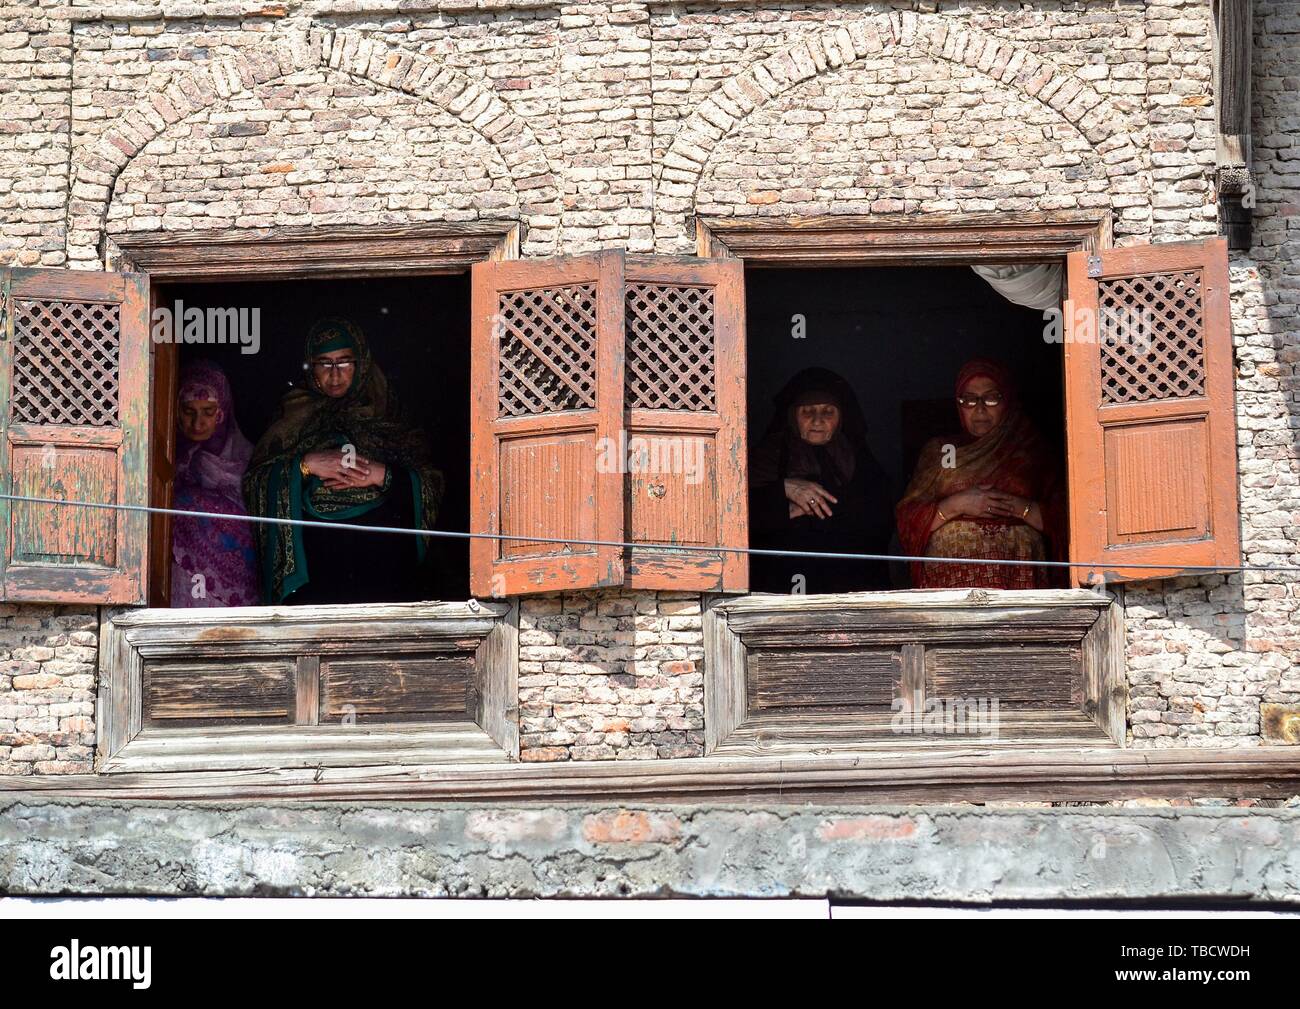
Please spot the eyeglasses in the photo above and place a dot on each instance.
(989, 399)
(330, 367)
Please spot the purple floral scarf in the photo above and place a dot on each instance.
(214, 562)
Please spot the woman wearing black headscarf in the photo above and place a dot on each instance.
(815, 487)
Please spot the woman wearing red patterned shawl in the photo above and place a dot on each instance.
(991, 492)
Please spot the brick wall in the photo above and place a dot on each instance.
(47, 689)
(610, 124)
(611, 675)
(35, 65)
(1204, 652)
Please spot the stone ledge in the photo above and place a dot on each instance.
(54, 846)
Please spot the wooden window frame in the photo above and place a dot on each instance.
(130, 636)
(271, 254)
(897, 240)
(917, 776)
(903, 239)
(846, 240)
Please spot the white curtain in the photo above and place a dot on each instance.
(1035, 286)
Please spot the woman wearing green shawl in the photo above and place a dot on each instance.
(342, 450)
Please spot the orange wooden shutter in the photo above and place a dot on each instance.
(546, 408)
(685, 323)
(1150, 411)
(74, 395)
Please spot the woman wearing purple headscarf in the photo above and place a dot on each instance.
(214, 562)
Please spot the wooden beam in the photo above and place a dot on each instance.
(307, 690)
(902, 239)
(1233, 29)
(312, 252)
(932, 776)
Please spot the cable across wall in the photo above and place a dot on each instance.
(667, 547)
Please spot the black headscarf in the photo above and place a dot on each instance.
(782, 453)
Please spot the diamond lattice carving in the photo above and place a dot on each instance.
(670, 339)
(547, 358)
(1157, 349)
(65, 363)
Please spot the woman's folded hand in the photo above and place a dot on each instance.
(1002, 505)
(971, 502)
(812, 497)
(338, 470)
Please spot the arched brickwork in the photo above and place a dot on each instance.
(347, 52)
(939, 37)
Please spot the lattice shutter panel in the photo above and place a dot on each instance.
(1150, 416)
(548, 406)
(686, 435)
(547, 350)
(670, 347)
(66, 363)
(1155, 347)
(75, 428)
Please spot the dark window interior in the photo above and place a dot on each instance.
(898, 335)
(418, 331)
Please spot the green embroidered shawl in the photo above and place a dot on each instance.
(367, 417)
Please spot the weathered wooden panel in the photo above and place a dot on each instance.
(49, 534)
(307, 691)
(823, 678)
(495, 691)
(396, 688)
(877, 733)
(1026, 676)
(218, 691)
(547, 487)
(1156, 481)
(672, 489)
(1105, 687)
(281, 686)
(901, 239)
(319, 747)
(897, 618)
(821, 674)
(725, 677)
(312, 252)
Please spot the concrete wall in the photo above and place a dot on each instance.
(609, 124)
(972, 855)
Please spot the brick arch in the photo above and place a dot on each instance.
(347, 52)
(727, 107)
